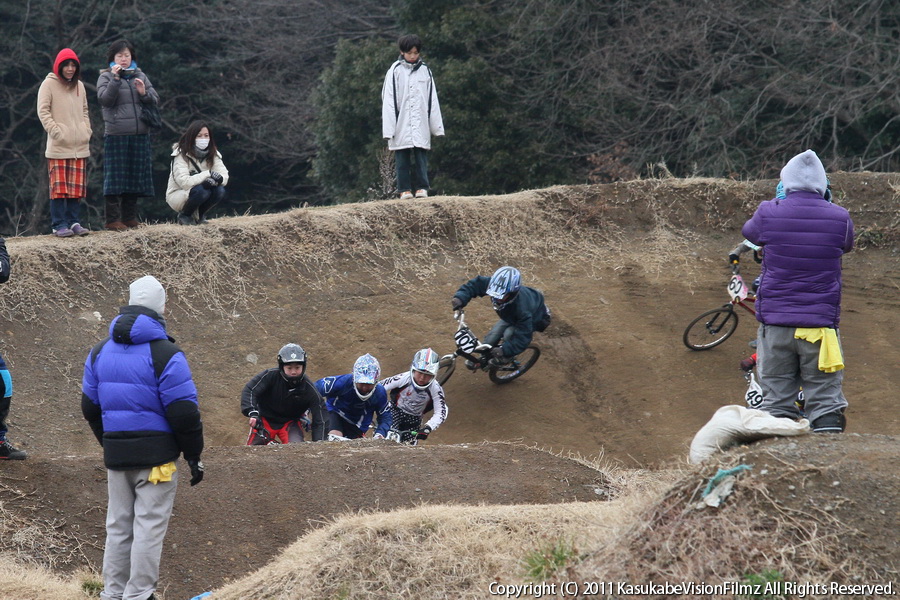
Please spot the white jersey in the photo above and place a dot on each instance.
(413, 402)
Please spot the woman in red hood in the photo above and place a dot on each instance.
(63, 110)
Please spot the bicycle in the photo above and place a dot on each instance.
(715, 326)
(478, 357)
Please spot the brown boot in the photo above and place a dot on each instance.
(131, 223)
(116, 226)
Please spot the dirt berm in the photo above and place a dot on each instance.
(624, 268)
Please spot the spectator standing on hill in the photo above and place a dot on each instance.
(277, 401)
(63, 110)
(7, 450)
(353, 400)
(140, 400)
(198, 176)
(521, 309)
(798, 303)
(415, 392)
(127, 160)
(410, 115)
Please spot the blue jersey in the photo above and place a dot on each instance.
(341, 398)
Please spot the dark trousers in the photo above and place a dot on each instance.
(201, 199)
(121, 208)
(412, 169)
(64, 212)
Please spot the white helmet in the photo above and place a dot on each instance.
(425, 361)
(366, 370)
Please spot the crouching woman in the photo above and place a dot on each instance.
(198, 177)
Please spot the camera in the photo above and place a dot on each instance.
(127, 72)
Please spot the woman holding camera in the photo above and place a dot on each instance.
(127, 160)
(198, 177)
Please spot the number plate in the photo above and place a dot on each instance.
(465, 341)
(737, 289)
(754, 395)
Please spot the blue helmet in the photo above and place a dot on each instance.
(779, 191)
(366, 370)
(504, 285)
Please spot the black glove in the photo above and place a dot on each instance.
(497, 353)
(209, 183)
(456, 303)
(423, 434)
(196, 471)
(217, 177)
(733, 259)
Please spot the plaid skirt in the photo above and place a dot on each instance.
(127, 165)
(66, 177)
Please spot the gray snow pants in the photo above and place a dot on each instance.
(137, 517)
(784, 365)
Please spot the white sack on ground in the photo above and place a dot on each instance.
(735, 424)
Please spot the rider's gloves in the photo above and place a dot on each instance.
(423, 434)
(497, 352)
(255, 421)
(456, 303)
(748, 363)
(196, 471)
(733, 259)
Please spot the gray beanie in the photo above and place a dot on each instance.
(805, 173)
(149, 293)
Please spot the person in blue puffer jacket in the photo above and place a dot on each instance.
(139, 398)
(521, 309)
(353, 400)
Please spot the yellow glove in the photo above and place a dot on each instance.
(162, 473)
(831, 359)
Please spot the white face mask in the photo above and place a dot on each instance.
(201, 143)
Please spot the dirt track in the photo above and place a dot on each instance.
(614, 377)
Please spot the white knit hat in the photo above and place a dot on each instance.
(148, 292)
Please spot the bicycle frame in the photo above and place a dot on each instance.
(479, 358)
(467, 344)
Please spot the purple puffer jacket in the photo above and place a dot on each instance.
(804, 237)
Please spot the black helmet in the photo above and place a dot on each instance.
(291, 353)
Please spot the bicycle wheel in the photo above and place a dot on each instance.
(446, 366)
(711, 328)
(516, 367)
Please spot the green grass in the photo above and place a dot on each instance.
(542, 564)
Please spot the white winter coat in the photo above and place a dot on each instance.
(408, 92)
(185, 175)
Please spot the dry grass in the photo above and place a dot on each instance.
(429, 552)
(28, 582)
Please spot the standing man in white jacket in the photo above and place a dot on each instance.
(410, 114)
